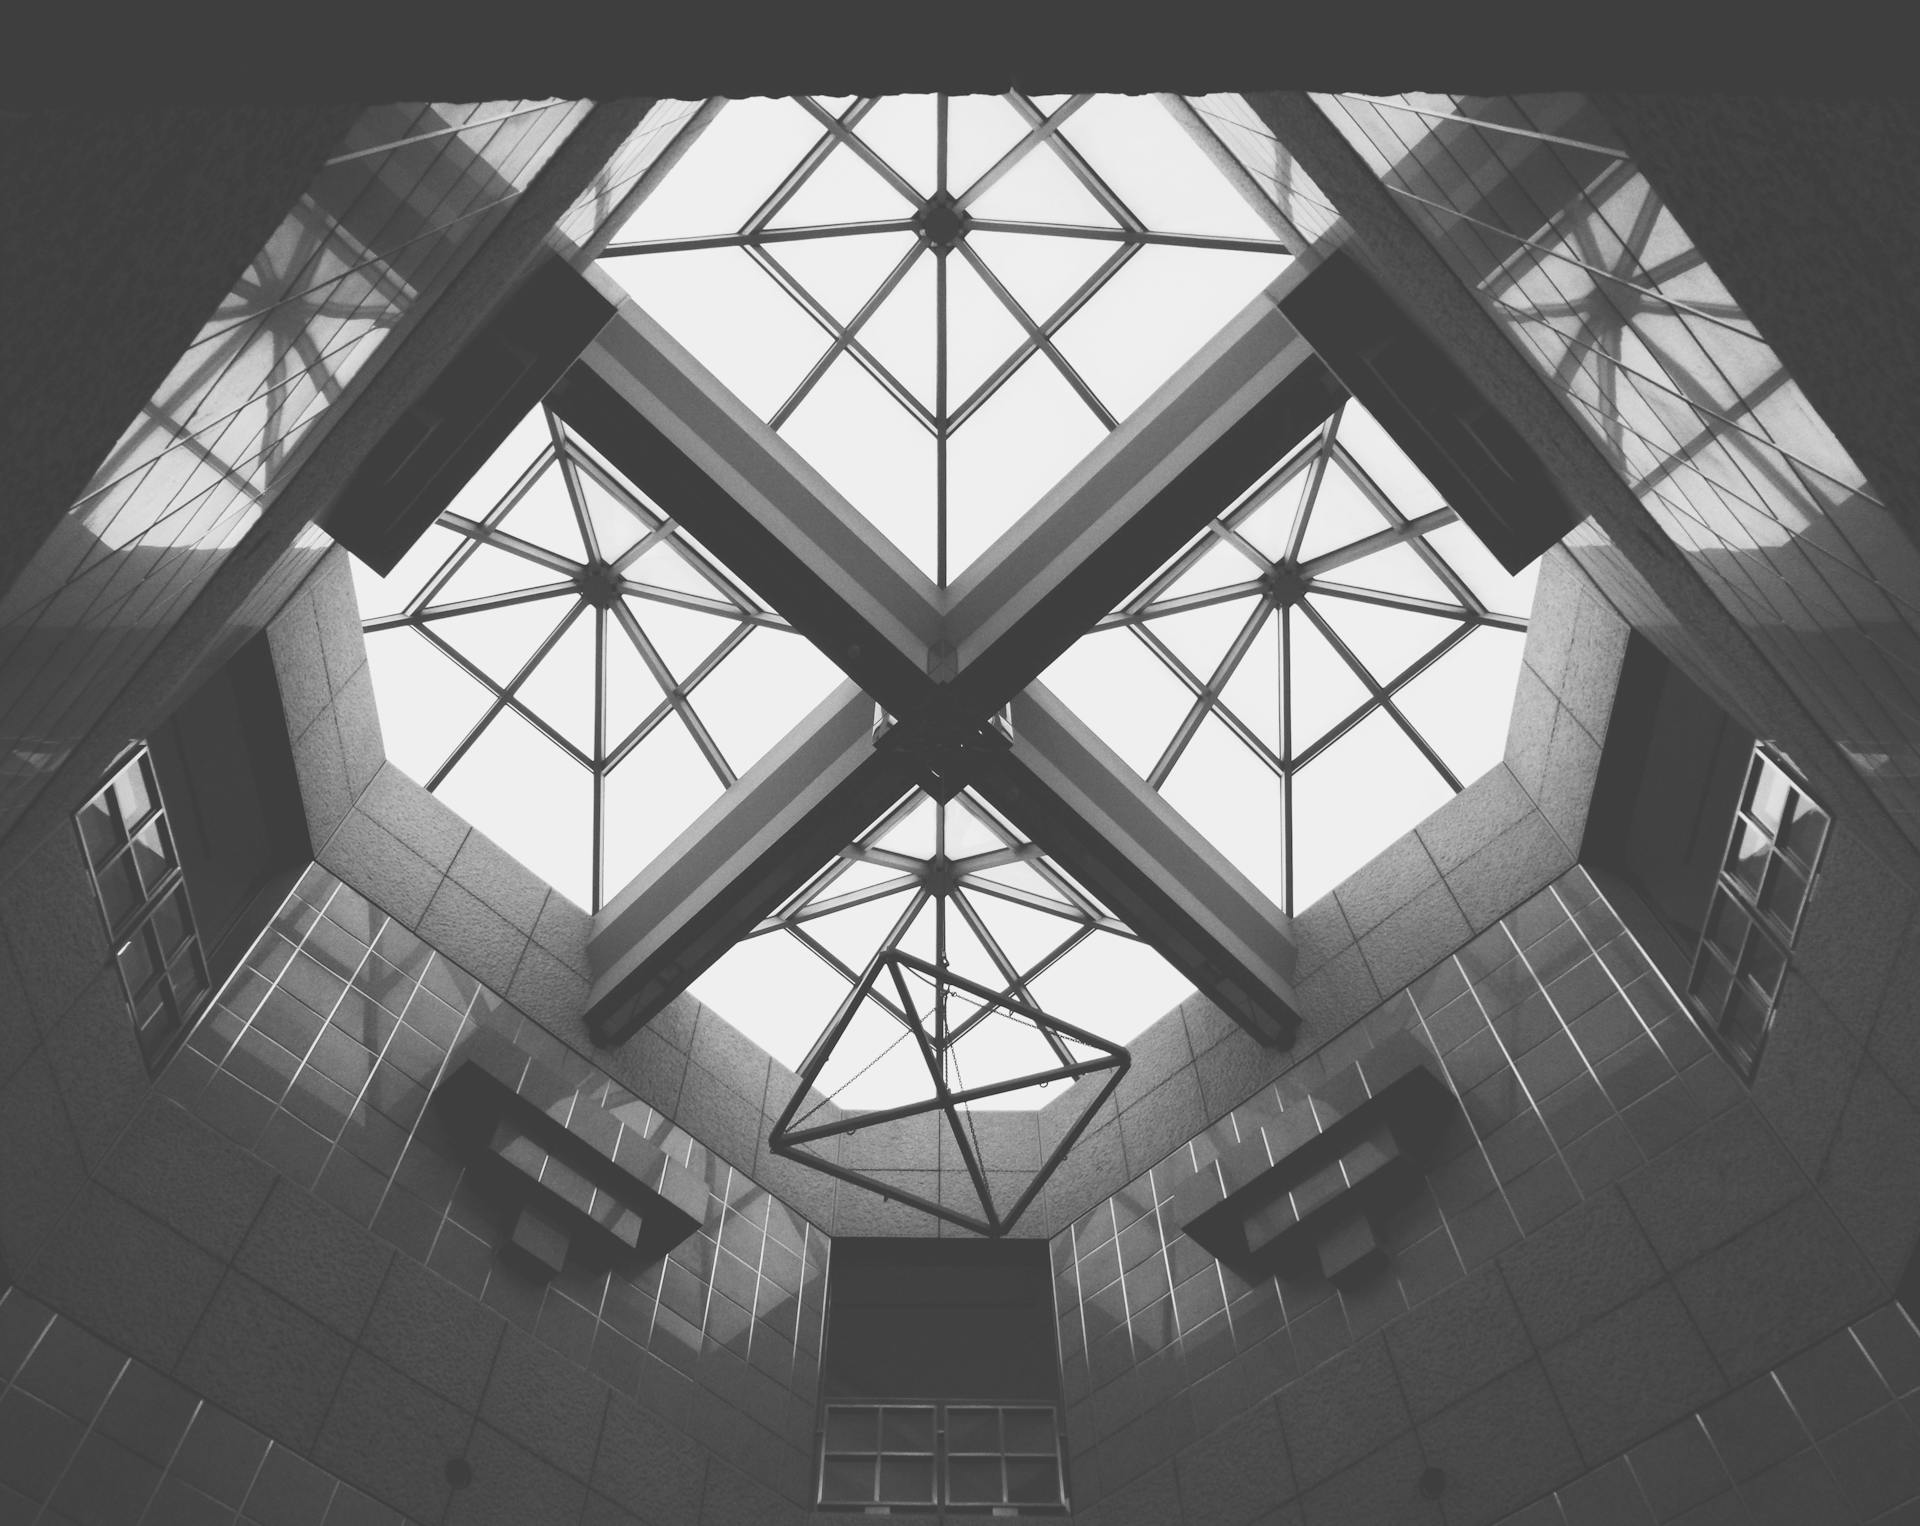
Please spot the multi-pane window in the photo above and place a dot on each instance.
(143, 900)
(1755, 913)
(906, 1455)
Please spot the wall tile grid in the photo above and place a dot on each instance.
(1571, 251)
(1574, 1065)
(90, 1435)
(386, 223)
(319, 1057)
(1830, 1437)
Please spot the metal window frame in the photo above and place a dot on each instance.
(940, 1457)
(1730, 978)
(161, 1017)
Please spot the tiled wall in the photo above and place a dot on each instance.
(1829, 1437)
(384, 225)
(1574, 255)
(87, 1434)
(320, 1055)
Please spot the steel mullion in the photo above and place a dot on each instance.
(843, 340)
(1077, 165)
(471, 606)
(599, 753)
(1310, 492)
(1016, 986)
(1037, 133)
(505, 540)
(808, 910)
(1434, 560)
(762, 236)
(842, 128)
(505, 698)
(994, 858)
(676, 693)
(1401, 533)
(1039, 340)
(1383, 694)
(1286, 753)
(1415, 605)
(1126, 235)
(1074, 895)
(810, 161)
(655, 593)
(1036, 902)
(469, 528)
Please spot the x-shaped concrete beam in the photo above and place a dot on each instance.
(943, 664)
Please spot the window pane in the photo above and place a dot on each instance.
(907, 1480)
(853, 1430)
(1763, 963)
(153, 854)
(1726, 926)
(973, 1481)
(1745, 1022)
(133, 790)
(1806, 829)
(906, 1430)
(847, 1481)
(97, 827)
(1747, 856)
(1767, 792)
(173, 922)
(1710, 981)
(973, 1430)
(137, 962)
(1033, 1480)
(1785, 893)
(1030, 1430)
(120, 890)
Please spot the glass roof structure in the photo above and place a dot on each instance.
(944, 302)
(1323, 667)
(942, 305)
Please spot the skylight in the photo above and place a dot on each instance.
(958, 887)
(565, 668)
(1318, 671)
(944, 302)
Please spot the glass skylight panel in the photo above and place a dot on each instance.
(944, 302)
(567, 669)
(957, 886)
(1321, 668)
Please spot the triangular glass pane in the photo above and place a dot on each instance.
(488, 571)
(560, 691)
(1127, 696)
(729, 170)
(666, 564)
(1040, 271)
(1386, 640)
(731, 315)
(617, 525)
(544, 516)
(900, 129)
(1041, 189)
(1501, 591)
(980, 129)
(651, 798)
(1028, 880)
(1341, 514)
(1398, 569)
(966, 833)
(1323, 690)
(531, 799)
(633, 693)
(1155, 167)
(1386, 463)
(967, 956)
(901, 333)
(427, 702)
(480, 495)
(1462, 703)
(499, 641)
(854, 934)
(1253, 693)
(1233, 800)
(1025, 936)
(760, 692)
(1004, 459)
(981, 333)
(776, 991)
(843, 189)
(871, 450)
(913, 834)
(1111, 986)
(1353, 801)
(378, 596)
(1269, 526)
(1156, 314)
(841, 274)
(1221, 565)
(683, 637)
(1200, 637)
(856, 875)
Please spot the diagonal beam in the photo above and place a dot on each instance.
(1069, 792)
(1182, 459)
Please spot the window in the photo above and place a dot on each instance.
(143, 901)
(1754, 914)
(984, 1456)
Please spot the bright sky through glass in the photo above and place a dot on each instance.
(1324, 666)
(944, 302)
(568, 671)
(955, 885)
